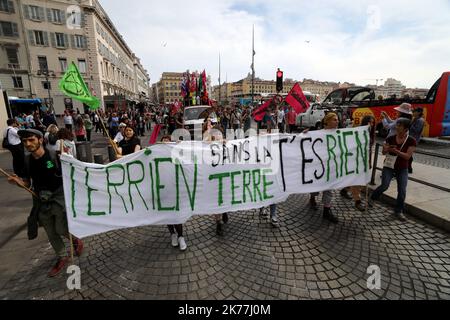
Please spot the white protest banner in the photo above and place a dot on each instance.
(169, 183)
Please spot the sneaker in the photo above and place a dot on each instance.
(328, 215)
(313, 204)
(78, 247)
(58, 267)
(225, 217)
(400, 216)
(175, 240)
(219, 228)
(275, 223)
(182, 242)
(263, 213)
(360, 206)
(345, 194)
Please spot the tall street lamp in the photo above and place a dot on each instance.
(48, 73)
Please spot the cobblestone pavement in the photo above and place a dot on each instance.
(306, 258)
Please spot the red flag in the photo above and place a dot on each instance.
(204, 80)
(155, 134)
(297, 100)
(259, 113)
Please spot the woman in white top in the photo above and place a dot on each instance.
(65, 143)
(68, 120)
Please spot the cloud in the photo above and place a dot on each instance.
(349, 40)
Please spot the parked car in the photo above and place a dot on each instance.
(194, 118)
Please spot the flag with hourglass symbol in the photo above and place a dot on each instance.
(73, 85)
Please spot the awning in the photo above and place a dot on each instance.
(17, 100)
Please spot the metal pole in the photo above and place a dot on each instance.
(220, 85)
(375, 162)
(253, 65)
(48, 89)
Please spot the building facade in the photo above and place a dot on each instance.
(168, 89)
(14, 61)
(242, 89)
(49, 35)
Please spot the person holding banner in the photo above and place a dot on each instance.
(330, 122)
(398, 150)
(43, 172)
(215, 134)
(176, 231)
(130, 144)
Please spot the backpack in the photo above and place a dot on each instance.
(6, 144)
(52, 139)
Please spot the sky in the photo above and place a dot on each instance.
(357, 41)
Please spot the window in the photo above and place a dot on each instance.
(13, 59)
(34, 13)
(7, 6)
(17, 82)
(43, 63)
(8, 29)
(79, 42)
(63, 64)
(82, 65)
(56, 16)
(39, 38)
(60, 40)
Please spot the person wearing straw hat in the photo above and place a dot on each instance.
(404, 111)
(43, 172)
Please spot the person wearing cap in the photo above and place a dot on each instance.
(404, 111)
(43, 173)
(120, 135)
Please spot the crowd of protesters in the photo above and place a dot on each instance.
(43, 138)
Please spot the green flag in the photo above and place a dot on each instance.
(73, 85)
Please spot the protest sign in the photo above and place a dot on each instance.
(169, 183)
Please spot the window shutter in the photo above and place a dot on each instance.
(83, 19)
(72, 41)
(63, 16)
(26, 11)
(15, 29)
(11, 7)
(41, 13)
(31, 37)
(84, 42)
(53, 39)
(66, 41)
(45, 38)
(49, 15)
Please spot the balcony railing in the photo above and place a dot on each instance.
(13, 66)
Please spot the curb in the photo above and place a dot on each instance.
(420, 214)
(439, 142)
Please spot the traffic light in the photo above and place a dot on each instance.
(279, 80)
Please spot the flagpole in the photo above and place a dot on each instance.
(220, 85)
(111, 141)
(6, 174)
(253, 66)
